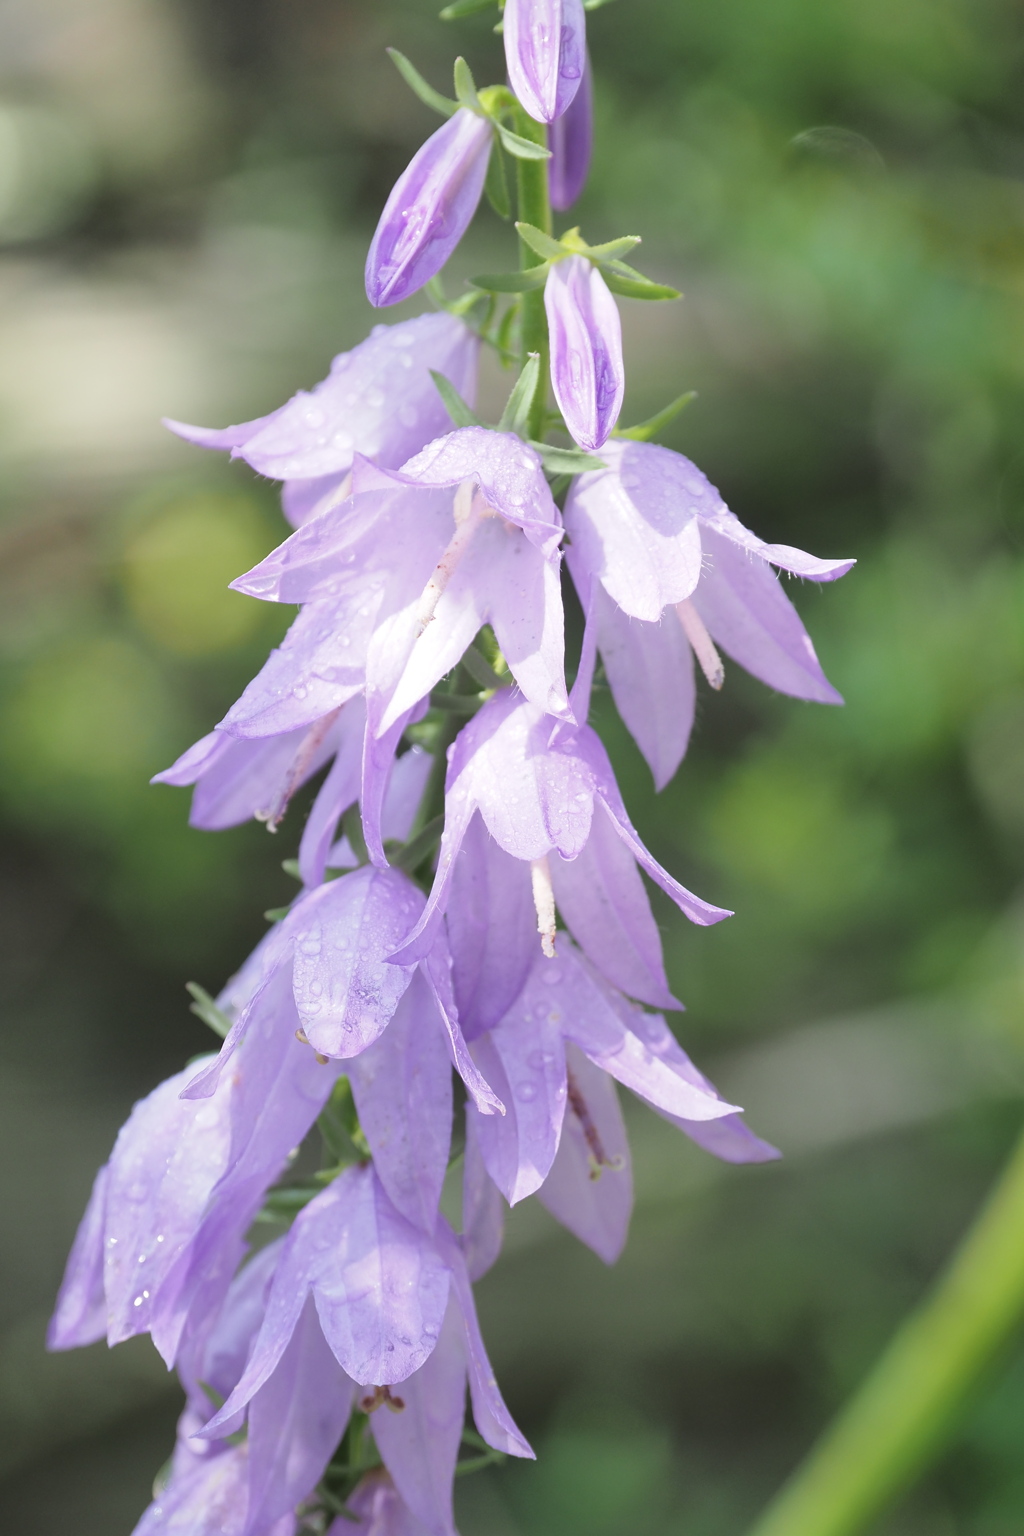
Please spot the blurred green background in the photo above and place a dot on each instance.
(186, 192)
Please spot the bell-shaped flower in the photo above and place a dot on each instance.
(376, 1508)
(429, 210)
(650, 534)
(587, 373)
(378, 400)
(543, 791)
(545, 53)
(571, 141)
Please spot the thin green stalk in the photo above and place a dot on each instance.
(534, 208)
(899, 1419)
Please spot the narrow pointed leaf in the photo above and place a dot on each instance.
(416, 83)
(464, 8)
(496, 185)
(545, 245)
(638, 287)
(512, 282)
(566, 461)
(456, 407)
(611, 250)
(465, 85)
(522, 149)
(645, 430)
(517, 410)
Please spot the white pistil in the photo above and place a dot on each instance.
(544, 901)
(703, 645)
(468, 513)
(307, 750)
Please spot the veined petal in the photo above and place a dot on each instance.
(593, 1198)
(507, 470)
(587, 372)
(523, 1058)
(429, 208)
(571, 141)
(545, 51)
(483, 1209)
(492, 930)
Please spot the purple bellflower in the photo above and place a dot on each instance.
(429, 209)
(651, 534)
(587, 374)
(571, 141)
(378, 400)
(545, 53)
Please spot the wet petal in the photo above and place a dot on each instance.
(593, 1199)
(483, 1209)
(545, 50)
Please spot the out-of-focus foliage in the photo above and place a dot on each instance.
(186, 192)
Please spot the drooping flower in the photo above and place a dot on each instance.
(571, 140)
(544, 789)
(545, 52)
(650, 533)
(587, 374)
(429, 209)
(378, 400)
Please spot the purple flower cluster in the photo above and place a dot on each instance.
(472, 897)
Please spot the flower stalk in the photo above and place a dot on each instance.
(534, 203)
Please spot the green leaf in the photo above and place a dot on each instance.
(206, 1009)
(465, 85)
(517, 409)
(638, 287)
(612, 248)
(481, 671)
(291, 867)
(567, 461)
(512, 282)
(645, 430)
(522, 149)
(595, 5)
(416, 83)
(537, 240)
(454, 404)
(503, 339)
(464, 8)
(496, 185)
(414, 852)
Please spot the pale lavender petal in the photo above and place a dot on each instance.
(377, 775)
(545, 52)
(339, 790)
(80, 1316)
(635, 526)
(726, 523)
(420, 1445)
(437, 968)
(601, 897)
(507, 470)
(295, 1422)
(404, 792)
(650, 672)
(741, 601)
(590, 1186)
(380, 1289)
(587, 372)
(206, 1496)
(345, 991)
(403, 1091)
(483, 1209)
(249, 777)
(492, 1417)
(304, 499)
(429, 209)
(571, 140)
(216, 1357)
(492, 930)
(380, 1509)
(594, 1019)
(525, 1061)
(458, 813)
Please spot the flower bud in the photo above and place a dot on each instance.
(429, 209)
(586, 350)
(545, 52)
(571, 140)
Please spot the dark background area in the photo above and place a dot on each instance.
(186, 194)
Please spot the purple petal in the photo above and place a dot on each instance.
(436, 968)
(239, 779)
(741, 601)
(80, 1316)
(429, 209)
(635, 526)
(545, 53)
(524, 1058)
(571, 141)
(345, 991)
(587, 373)
(339, 790)
(601, 896)
(492, 930)
(378, 400)
(650, 671)
(420, 1445)
(377, 774)
(217, 1356)
(206, 1496)
(380, 1509)
(483, 1210)
(507, 470)
(405, 790)
(590, 1186)
(403, 1091)
(493, 1419)
(304, 499)
(295, 1422)
(726, 523)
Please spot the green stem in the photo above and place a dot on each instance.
(534, 208)
(899, 1419)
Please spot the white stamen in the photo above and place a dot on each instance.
(307, 750)
(468, 513)
(703, 645)
(544, 901)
